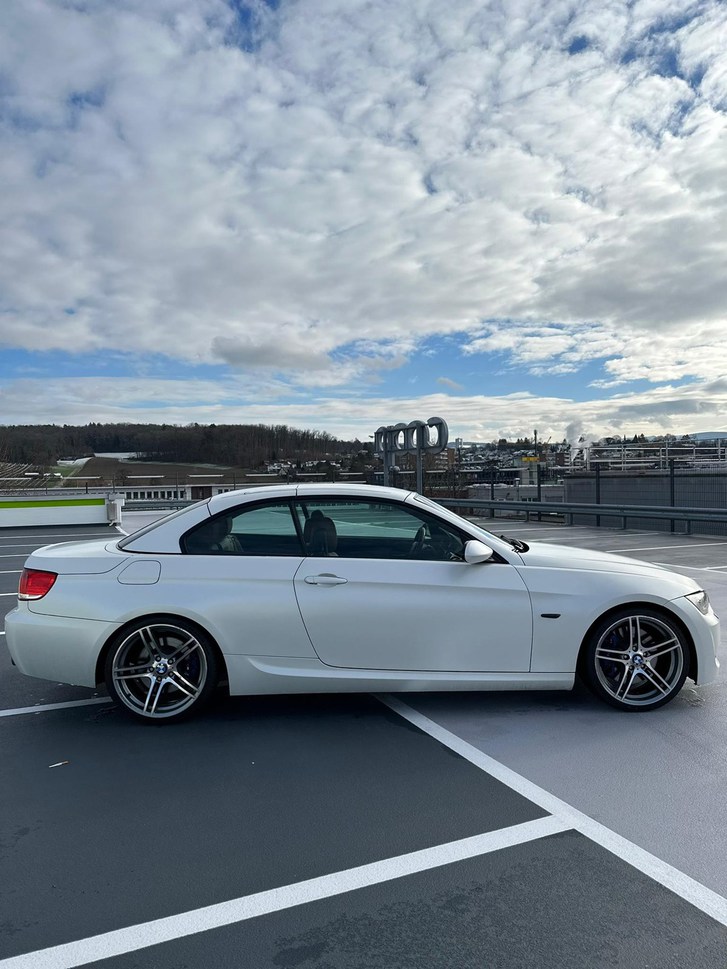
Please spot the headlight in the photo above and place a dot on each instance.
(700, 600)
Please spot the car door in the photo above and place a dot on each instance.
(386, 588)
(238, 571)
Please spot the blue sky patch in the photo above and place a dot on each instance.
(578, 45)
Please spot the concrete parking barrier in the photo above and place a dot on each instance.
(22, 511)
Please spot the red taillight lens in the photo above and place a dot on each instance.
(34, 584)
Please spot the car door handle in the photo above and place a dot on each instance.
(325, 578)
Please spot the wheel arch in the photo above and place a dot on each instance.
(693, 667)
(163, 617)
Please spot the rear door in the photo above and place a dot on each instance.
(238, 571)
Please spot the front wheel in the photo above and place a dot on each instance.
(161, 669)
(636, 659)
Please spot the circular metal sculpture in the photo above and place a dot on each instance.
(416, 437)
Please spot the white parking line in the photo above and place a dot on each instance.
(703, 898)
(63, 535)
(536, 529)
(501, 524)
(690, 568)
(42, 707)
(21, 544)
(11, 572)
(135, 937)
(15, 555)
(8, 593)
(568, 538)
(657, 548)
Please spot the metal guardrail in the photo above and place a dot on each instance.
(567, 510)
(561, 509)
(158, 504)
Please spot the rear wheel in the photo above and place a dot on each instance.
(161, 669)
(636, 659)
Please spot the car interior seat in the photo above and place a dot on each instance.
(319, 535)
(221, 538)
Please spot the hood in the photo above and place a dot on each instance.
(567, 557)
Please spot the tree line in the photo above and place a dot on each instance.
(235, 445)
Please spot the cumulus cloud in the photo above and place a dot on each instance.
(273, 187)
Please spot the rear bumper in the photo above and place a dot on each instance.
(55, 648)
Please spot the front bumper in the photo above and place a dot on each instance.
(705, 632)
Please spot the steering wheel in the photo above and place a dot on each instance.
(418, 544)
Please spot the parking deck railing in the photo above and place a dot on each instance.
(568, 511)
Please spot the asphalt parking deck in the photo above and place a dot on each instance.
(254, 796)
(145, 824)
(335, 832)
(498, 911)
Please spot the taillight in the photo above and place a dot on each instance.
(34, 583)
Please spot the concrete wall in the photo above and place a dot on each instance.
(22, 511)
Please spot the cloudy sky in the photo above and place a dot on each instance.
(342, 213)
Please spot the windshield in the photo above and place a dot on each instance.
(487, 536)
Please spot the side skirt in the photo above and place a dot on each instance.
(259, 675)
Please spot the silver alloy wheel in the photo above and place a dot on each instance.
(159, 670)
(639, 660)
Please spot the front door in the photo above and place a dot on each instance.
(384, 587)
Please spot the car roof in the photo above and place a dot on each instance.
(228, 499)
(163, 536)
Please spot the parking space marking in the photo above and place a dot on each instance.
(566, 538)
(11, 572)
(42, 707)
(690, 568)
(135, 937)
(8, 593)
(533, 529)
(15, 555)
(692, 891)
(536, 529)
(504, 523)
(59, 534)
(657, 548)
(21, 544)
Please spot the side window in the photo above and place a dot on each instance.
(261, 530)
(375, 529)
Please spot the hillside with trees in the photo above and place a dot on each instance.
(238, 445)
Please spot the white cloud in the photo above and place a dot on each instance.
(474, 417)
(365, 175)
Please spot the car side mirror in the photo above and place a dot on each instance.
(475, 552)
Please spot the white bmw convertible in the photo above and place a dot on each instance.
(309, 589)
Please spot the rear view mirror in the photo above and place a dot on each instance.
(475, 552)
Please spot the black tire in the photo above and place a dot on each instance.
(161, 669)
(636, 659)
